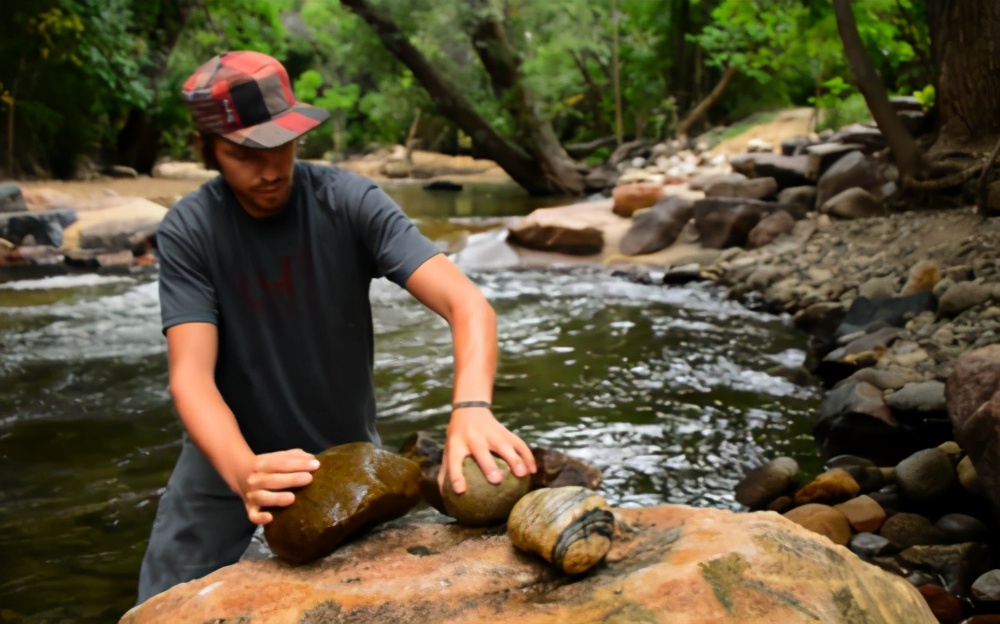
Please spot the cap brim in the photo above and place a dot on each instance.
(286, 127)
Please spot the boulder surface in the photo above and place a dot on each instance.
(669, 563)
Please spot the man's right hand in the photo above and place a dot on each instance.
(266, 481)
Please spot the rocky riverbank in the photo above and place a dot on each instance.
(904, 312)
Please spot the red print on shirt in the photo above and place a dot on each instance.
(257, 288)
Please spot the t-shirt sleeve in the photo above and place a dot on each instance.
(396, 245)
(186, 291)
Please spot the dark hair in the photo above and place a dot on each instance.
(206, 146)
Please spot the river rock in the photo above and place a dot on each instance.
(958, 564)
(11, 198)
(926, 475)
(886, 378)
(852, 170)
(575, 230)
(852, 203)
(787, 171)
(724, 222)
(908, 529)
(961, 296)
(658, 227)
(765, 483)
(987, 588)
(895, 312)
(968, 478)
(729, 568)
(864, 514)
(356, 486)
(945, 606)
(824, 520)
(569, 527)
(483, 503)
(888, 499)
(962, 528)
(556, 469)
(869, 545)
(833, 486)
(974, 411)
(925, 397)
(878, 288)
(922, 277)
(41, 228)
(804, 196)
(862, 351)
(770, 228)
(111, 223)
(422, 448)
(629, 198)
(854, 419)
(869, 479)
(781, 504)
(757, 188)
(702, 181)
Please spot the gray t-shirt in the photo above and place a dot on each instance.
(289, 295)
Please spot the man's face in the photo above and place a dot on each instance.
(260, 178)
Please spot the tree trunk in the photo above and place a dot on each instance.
(701, 109)
(536, 136)
(138, 142)
(965, 40)
(516, 161)
(904, 149)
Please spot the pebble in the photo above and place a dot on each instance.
(864, 514)
(987, 587)
(962, 528)
(765, 483)
(833, 486)
(946, 607)
(908, 529)
(925, 476)
(824, 520)
(871, 545)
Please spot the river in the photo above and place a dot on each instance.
(672, 392)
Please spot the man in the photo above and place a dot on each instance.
(264, 278)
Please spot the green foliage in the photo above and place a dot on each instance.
(74, 70)
(840, 112)
(926, 97)
(753, 36)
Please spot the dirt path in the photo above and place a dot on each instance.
(787, 124)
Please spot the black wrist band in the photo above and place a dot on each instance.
(462, 404)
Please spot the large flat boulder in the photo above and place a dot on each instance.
(110, 225)
(668, 564)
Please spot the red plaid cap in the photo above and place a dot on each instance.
(246, 97)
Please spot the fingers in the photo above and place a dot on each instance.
(272, 475)
(487, 464)
(454, 455)
(278, 480)
(510, 454)
(295, 460)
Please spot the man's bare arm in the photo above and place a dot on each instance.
(442, 287)
(192, 349)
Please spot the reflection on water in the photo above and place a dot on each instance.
(666, 390)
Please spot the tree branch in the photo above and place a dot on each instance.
(701, 109)
(904, 149)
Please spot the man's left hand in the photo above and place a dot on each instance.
(475, 431)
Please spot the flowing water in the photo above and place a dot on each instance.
(670, 391)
